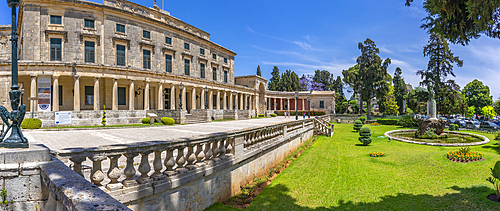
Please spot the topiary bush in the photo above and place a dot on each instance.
(365, 134)
(167, 121)
(31, 123)
(145, 120)
(103, 122)
(261, 115)
(274, 115)
(362, 119)
(357, 125)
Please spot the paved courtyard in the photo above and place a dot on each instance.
(57, 140)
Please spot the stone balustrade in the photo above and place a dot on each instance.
(323, 126)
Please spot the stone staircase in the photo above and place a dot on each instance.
(193, 119)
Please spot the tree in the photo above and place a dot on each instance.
(373, 73)
(399, 89)
(390, 105)
(274, 82)
(324, 77)
(341, 103)
(339, 86)
(461, 20)
(353, 79)
(289, 81)
(450, 100)
(471, 110)
(307, 84)
(417, 99)
(478, 95)
(496, 106)
(258, 71)
(488, 112)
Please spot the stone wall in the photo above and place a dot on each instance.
(91, 117)
(178, 115)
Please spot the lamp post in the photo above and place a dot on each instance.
(16, 138)
(234, 104)
(181, 87)
(248, 103)
(296, 103)
(265, 108)
(206, 97)
(309, 106)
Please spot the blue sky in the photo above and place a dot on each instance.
(307, 35)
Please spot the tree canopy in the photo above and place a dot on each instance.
(274, 82)
(258, 71)
(478, 95)
(339, 86)
(459, 21)
(353, 79)
(307, 84)
(324, 77)
(289, 81)
(399, 89)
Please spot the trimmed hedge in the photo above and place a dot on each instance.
(362, 119)
(453, 127)
(387, 121)
(274, 115)
(167, 121)
(357, 125)
(31, 123)
(261, 115)
(365, 134)
(145, 120)
(292, 113)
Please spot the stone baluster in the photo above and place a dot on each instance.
(157, 165)
(114, 173)
(222, 149)
(215, 151)
(129, 170)
(181, 160)
(208, 153)
(144, 168)
(77, 165)
(229, 146)
(169, 162)
(191, 158)
(199, 155)
(97, 176)
(246, 142)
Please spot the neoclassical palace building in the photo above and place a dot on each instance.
(80, 56)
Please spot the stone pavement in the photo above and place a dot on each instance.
(57, 140)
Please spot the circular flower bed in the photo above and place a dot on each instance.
(452, 138)
(464, 155)
(376, 154)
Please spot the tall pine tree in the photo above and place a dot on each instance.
(399, 89)
(324, 77)
(274, 82)
(258, 71)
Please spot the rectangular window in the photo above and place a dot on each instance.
(186, 46)
(214, 73)
(168, 40)
(214, 56)
(225, 60)
(60, 95)
(89, 95)
(202, 70)
(202, 51)
(225, 76)
(321, 104)
(55, 19)
(120, 55)
(55, 49)
(186, 66)
(122, 96)
(89, 23)
(168, 62)
(146, 34)
(89, 52)
(146, 59)
(120, 28)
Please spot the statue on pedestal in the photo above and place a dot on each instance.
(431, 102)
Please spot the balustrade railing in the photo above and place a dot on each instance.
(323, 127)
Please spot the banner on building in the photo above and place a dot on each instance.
(43, 93)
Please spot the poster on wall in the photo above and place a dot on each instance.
(63, 118)
(43, 93)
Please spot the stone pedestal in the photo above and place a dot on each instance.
(431, 109)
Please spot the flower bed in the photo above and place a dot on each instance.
(377, 154)
(464, 156)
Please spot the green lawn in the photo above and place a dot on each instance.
(338, 174)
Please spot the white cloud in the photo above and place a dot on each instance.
(303, 45)
(385, 50)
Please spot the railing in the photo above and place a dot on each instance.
(322, 126)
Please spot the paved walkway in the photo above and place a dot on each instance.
(57, 140)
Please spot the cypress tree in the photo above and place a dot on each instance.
(258, 71)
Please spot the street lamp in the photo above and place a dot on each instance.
(234, 104)
(16, 138)
(296, 103)
(181, 87)
(309, 106)
(206, 97)
(248, 103)
(265, 107)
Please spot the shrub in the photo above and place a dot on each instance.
(167, 121)
(261, 115)
(31, 123)
(274, 115)
(145, 120)
(497, 136)
(464, 155)
(103, 122)
(495, 178)
(362, 119)
(407, 121)
(453, 127)
(357, 125)
(387, 121)
(365, 134)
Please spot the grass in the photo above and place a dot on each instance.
(100, 126)
(222, 120)
(338, 174)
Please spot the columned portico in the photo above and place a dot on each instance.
(76, 94)
(210, 99)
(193, 98)
(146, 96)
(160, 96)
(224, 101)
(218, 99)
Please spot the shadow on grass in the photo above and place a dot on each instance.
(473, 198)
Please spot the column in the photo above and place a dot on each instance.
(242, 106)
(160, 97)
(224, 101)
(303, 108)
(230, 101)
(76, 94)
(246, 102)
(282, 103)
(275, 104)
(236, 104)
(202, 99)
(288, 104)
(115, 94)
(146, 96)
(55, 93)
(218, 99)
(33, 93)
(131, 96)
(183, 100)
(210, 98)
(193, 98)
(172, 97)
(97, 101)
